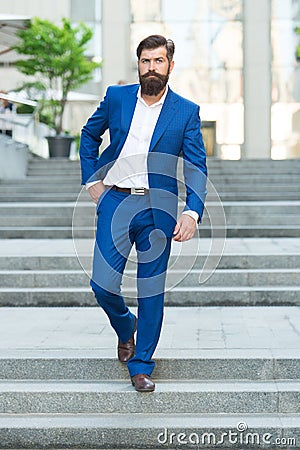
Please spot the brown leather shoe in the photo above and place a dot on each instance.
(126, 350)
(142, 383)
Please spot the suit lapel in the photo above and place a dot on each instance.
(128, 107)
(128, 103)
(166, 115)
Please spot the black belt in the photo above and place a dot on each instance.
(133, 191)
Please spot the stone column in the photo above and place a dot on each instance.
(115, 42)
(257, 78)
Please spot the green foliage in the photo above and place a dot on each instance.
(25, 109)
(298, 46)
(55, 55)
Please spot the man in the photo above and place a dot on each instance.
(7, 108)
(133, 182)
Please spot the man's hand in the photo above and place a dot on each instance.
(96, 190)
(185, 228)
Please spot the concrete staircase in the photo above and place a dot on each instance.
(251, 272)
(241, 382)
(42, 207)
(227, 377)
(260, 199)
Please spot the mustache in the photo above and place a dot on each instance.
(151, 74)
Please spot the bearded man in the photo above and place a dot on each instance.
(134, 184)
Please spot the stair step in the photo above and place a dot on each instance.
(64, 180)
(222, 179)
(34, 197)
(178, 296)
(234, 261)
(149, 431)
(65, 220)
(42, 189)
(217, 179)
(119, 397)
(60, 181)
(65, 232)
(253, 210)
(184, 364)
(175, 277)
(73, 196)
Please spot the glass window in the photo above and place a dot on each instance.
(284, 42)
(173, 10)
(285, 112)
(90, 12)
(208, 36)
(145, 11)
(83, 11)
(230, 9)
(287, 9)
(286, 84)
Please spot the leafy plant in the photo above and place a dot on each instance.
(298, 46)
(55, 55)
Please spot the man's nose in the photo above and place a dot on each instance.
(152, 65)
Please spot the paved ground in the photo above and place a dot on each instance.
(60, 247)
(187, 332)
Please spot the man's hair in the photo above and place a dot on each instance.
(156, 41)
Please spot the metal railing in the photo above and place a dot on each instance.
(26, 128)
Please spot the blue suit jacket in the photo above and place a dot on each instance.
(177, 132)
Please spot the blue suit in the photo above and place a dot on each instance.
(148, 221)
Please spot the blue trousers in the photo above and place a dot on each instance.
(124, 220)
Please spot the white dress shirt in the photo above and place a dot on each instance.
(130, 168)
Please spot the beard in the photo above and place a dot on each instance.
(153, 83)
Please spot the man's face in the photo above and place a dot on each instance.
(154, 69)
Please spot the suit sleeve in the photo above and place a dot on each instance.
(194, 167)
(91, 140)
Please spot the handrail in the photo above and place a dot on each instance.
(30, 131)
(10, 117)
(14, 99)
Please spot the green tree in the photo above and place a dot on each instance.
(55, 56)
(298, 46)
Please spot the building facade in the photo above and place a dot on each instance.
(236, 58)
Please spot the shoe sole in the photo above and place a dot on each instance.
(144, 390)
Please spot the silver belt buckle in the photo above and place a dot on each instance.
(137, 191)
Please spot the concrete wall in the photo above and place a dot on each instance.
(14, 159)
(257, 79)
(54, 10)
(115, 42)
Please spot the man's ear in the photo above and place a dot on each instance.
(171, 66)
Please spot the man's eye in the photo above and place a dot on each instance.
(159, 61)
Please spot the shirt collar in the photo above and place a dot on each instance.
(160, 101)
